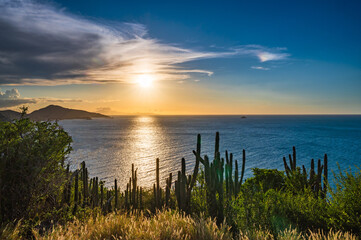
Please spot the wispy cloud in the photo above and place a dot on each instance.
(260, 68)
(58, 100)
(43, 45)
(104, 109)
(264, 54)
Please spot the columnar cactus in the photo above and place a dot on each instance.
(167, 190)
(184, 184)
(214, 177)
(134, 191)
(314, 182)
(157, 189)
(115, 194)
(101, 194)
(85, 183)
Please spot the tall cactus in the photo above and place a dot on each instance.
(76, 191)
(132, 192)
(216, 173)
(85, 183)
(325, 176)
(184, 184)
(314, 182)
(157, 190)
(167, 190)
(115, 194)
(126, 197)
(101, 194)
(141, 198)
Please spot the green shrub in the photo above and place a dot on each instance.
(266, 200)
(265, 179)
(32, 171)
(345, 205)
(303, 210)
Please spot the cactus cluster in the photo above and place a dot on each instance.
(233, 186)
(314, 179)
(222, 183)
(86, 192)
(217, 173)
(184, 184)
(133, 193)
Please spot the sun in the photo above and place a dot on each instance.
(145, 80)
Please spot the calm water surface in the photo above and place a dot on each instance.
(110, 146)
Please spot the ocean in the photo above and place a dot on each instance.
(110, 146)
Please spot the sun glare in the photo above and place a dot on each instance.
(145, 80)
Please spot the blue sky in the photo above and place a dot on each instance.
(281, 56)
(320, 30)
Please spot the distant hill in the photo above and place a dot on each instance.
(8, 115)
(3, 118)
(52, 112)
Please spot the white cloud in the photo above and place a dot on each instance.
(264, 54)
(11, 98)
(10, 94)
(260, 68)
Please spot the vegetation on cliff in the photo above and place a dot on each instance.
(41, 198)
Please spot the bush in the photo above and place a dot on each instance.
(266, 201)
(345, 206)
(303, 210)
(250, 210)
(265, 179)
(32, 171)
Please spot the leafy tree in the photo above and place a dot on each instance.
(32, 169)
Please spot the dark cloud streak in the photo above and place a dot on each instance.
(42, 45)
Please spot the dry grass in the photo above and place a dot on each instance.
(331, 235)
(293, 234)
(164, 225)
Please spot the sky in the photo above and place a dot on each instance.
(182, 57)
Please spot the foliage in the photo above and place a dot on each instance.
(266, 200)
(345, 209)
(265, 179)
(198, 205)
(304, 211)
(31, 168)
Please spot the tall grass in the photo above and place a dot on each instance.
(163, 225)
